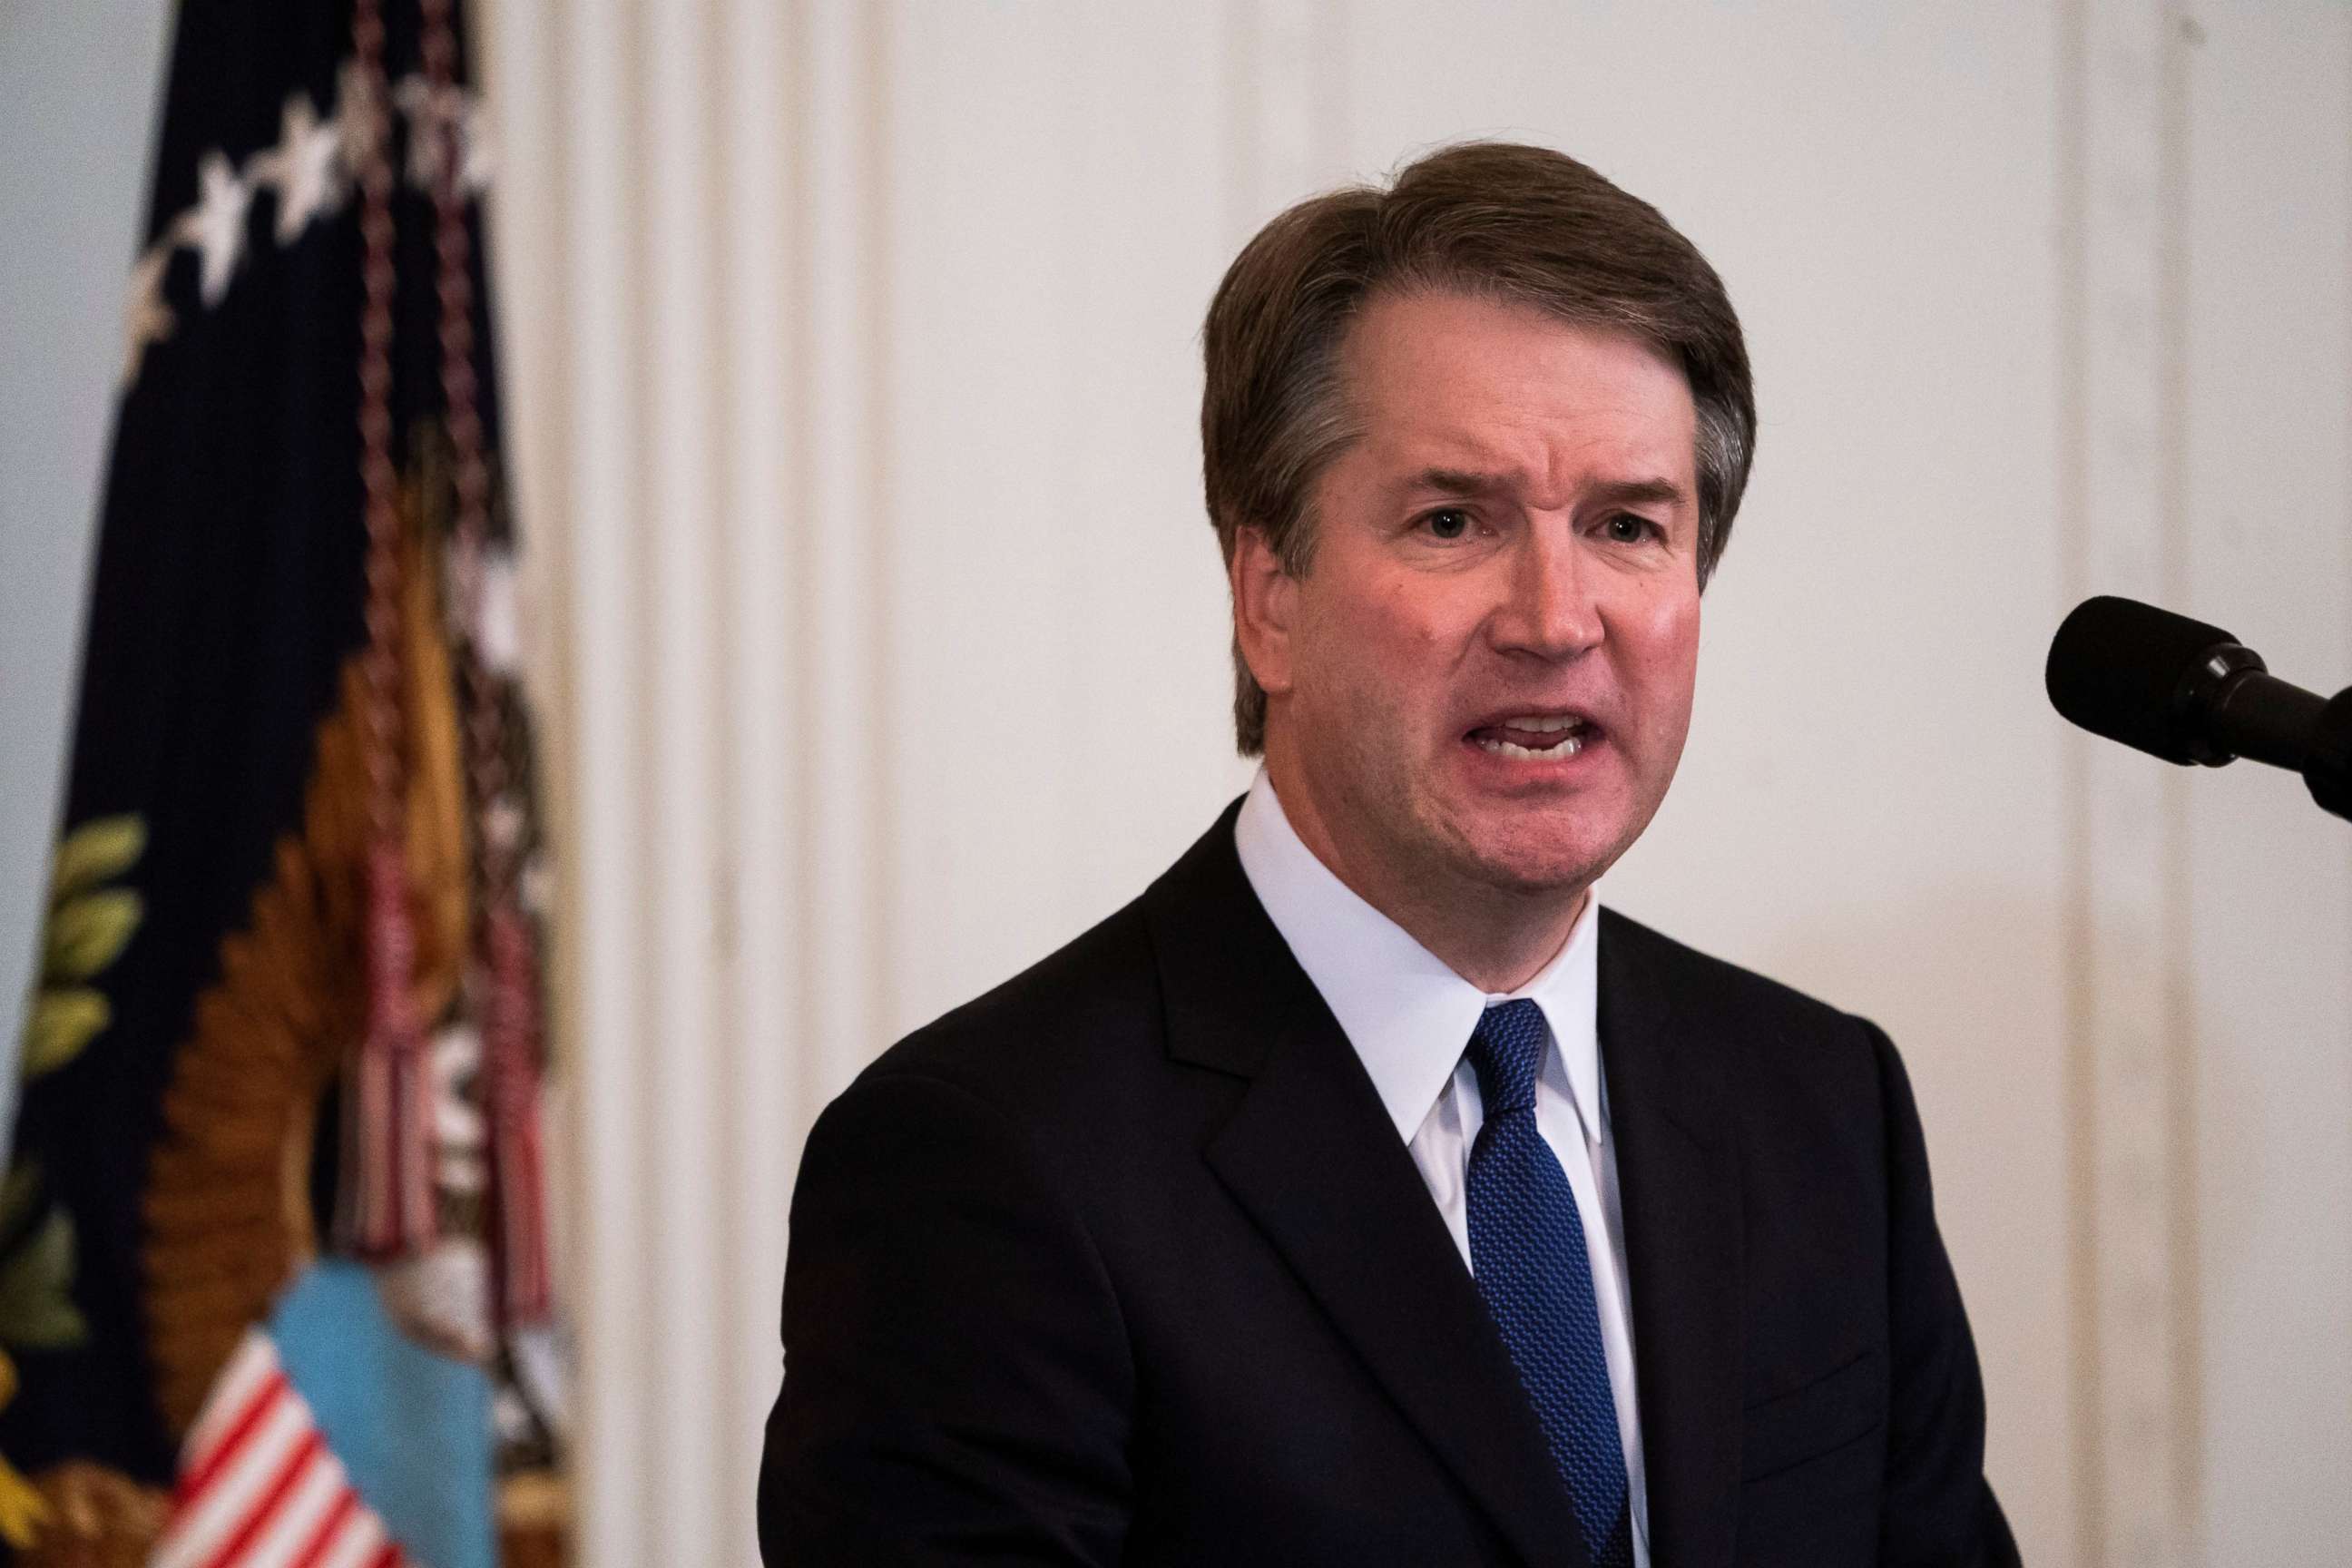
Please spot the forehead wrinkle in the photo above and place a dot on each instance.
(1565, 479)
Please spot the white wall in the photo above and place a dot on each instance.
(2264, 546)
(896, 635)
(852, 353)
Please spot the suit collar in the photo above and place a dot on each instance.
(1678, 1180)
(1407, 1014)
(1310, 1155)
(1223, 971)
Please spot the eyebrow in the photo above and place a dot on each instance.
(1614, 493)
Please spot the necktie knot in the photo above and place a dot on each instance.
(1505, 1049)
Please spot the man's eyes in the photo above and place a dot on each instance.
(1451, 522)
(1631, 528)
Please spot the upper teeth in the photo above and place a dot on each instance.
(1566, 746)
(1564, 722)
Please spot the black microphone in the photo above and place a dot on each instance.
(2191, 693)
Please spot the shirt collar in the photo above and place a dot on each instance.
(1408, 1015)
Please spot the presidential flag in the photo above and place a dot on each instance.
(274, 1279)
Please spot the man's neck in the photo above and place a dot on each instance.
(1497, 939)
(1496, 949)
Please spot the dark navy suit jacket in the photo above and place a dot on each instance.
(1124, 1262)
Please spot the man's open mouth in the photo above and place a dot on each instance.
(1536, 736)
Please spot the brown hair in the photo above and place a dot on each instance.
(1497, 220)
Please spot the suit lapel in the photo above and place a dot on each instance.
(1317, 1165)
(1678, 1180)
(1314, 1162)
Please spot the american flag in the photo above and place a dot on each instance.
(258, 1488)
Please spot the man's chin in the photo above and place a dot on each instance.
(1543, 883)
(1534, 856)
(1537, 871)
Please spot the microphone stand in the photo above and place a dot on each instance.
(2229, 705)
(2327, 766)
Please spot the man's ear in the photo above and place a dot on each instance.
(1266, 601)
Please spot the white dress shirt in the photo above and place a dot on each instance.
(1410, 1018)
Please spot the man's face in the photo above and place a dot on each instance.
(1483, 679)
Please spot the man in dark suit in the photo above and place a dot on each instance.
(1364, 1193)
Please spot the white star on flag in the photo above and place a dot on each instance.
(216, 225)
(310, 172)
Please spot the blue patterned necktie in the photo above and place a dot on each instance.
(1527, 1251)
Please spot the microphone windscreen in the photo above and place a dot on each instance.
(2118, 667)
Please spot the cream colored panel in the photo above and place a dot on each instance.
(2133, 1035)
(2269, 555)
(1053, 701)
(769, 1084)
(598, 307)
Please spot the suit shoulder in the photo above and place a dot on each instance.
(1084, 1009)
(1779, 1050)
(1814, 1091)
(1702, 982)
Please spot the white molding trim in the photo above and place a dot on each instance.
(2132, 1028)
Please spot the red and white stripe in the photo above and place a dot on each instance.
(258, 1488)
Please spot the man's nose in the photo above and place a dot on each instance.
(1549, 609)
